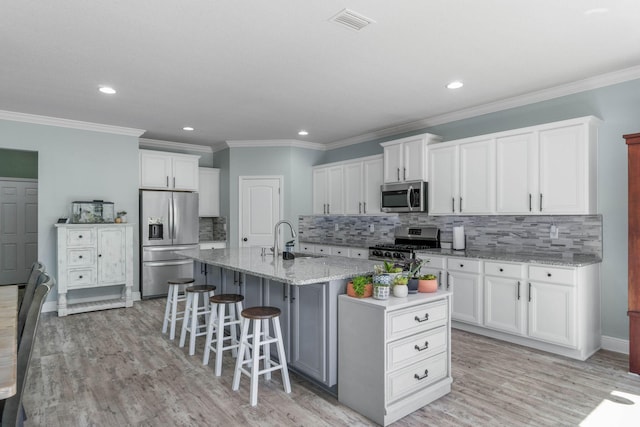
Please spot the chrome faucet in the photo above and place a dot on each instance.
(275, 236)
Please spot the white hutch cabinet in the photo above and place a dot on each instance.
(94, 256)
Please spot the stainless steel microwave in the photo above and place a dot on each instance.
(409, 196)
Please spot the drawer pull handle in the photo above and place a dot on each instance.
(426, 346)
(419, 320)
(418, 377)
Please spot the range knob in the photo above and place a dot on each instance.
(387, 254)
(399, 255)
(377, 252)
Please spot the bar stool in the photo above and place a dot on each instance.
(192, 311)
(260, 316)
(218, 320)
(174, 296)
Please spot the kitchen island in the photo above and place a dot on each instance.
(306, 291)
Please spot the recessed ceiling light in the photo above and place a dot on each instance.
(456, 84)
(107, 89)
(596, 10)
(188, 128)
(303, 133)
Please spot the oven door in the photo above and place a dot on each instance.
(410, 196)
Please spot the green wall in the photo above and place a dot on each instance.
(73, 165)
(18, 164)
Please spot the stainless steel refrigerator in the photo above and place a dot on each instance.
(168, 222)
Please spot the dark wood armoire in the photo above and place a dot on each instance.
(633, 149)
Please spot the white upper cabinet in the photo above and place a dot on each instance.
(443, 180)
(549, 169)
(349, 187)
(406, 159)
(209, 192)
(168, 171)
(477, 177)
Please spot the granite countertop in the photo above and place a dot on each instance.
(571, 260)
(303, 270)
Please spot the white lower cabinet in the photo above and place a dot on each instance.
(505, 297)
(465, 280)
(94, 256)
(394, 355)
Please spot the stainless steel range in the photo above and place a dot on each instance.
(408, 240)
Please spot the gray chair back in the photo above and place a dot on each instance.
(34, 280)
(13, 414)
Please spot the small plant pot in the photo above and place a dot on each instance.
(383, 279)
(413, 286)
(368, 291)
(400, 291)
(428, 285)
(381, 292)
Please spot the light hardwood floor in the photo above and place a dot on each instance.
(115, 368)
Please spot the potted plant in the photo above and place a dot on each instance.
(428, 283)
(122, 216)
(400, 288)
(413, 268)
(381, 281)
(360, 287)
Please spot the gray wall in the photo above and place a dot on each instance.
(76, 165)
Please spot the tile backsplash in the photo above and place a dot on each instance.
(213, 228)
(577, 234)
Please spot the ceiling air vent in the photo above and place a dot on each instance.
(351, 19)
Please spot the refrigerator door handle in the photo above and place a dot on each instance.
(166, 263)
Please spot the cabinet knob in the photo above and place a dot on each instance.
(501, 270)
(79, 277)
(99, 255)
(244, 239)
(80, 256)
(548, 274)
(461, 265)
(80, 236)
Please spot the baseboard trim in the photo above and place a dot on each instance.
(50, 306)
(615, 344)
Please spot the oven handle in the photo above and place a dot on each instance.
(409, 197)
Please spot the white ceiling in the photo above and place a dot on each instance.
(262, 70)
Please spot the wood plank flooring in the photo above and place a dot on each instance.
(115, 368)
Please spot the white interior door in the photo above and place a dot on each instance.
(260, 209)
(18, 229)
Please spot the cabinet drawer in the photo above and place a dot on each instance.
(307, 248)
(464, 264)
(80, 257)
(416, 319)
(504, 269)
(340, 251)
(81, 237)
(417, 376)
(359, 253)
(81, 277)
(552, 274)
(413, 349)
(323, 249)
(436, 262)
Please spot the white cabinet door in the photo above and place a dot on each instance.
(414, 160)
(209, 192)
(552, 313)
(467, 297)
(393, 166)
(111, 255)
(353, 188)
(517, 174)
(443, 180)
(563, 170)
(477, 177)
(320, 191)
(371, 182)
(185, 173)
(335, 186)
(155, 170)
(504, 304)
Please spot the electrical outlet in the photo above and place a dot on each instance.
(553, 232)
(371, 228)
(336, 227)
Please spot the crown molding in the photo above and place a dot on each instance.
(156, 143)
(66, 123)
(275, 143)
(603, 80)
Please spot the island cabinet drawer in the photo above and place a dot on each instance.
(464, 264)
(81, 277)
(415, 348)
(339, 251)
(438, 262)
(504, 269)
(323, 249)
(361, 253)
(80, 257)
(81, 237)
(543, 273)
(416, 319)
(307, 248)
(417, 376)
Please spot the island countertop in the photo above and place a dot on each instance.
(303, 270)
